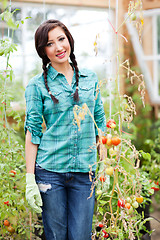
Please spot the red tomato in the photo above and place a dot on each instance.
(105, 234)
(156, 188)
(102, 178)
(6, 203)
(128, 205)
(121, 203)
(10, 229)
(115, 141)
(111, 123)
(6, 223)
(12, 173)
(100, 225)
(104, 139)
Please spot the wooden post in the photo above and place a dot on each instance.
(123, 8)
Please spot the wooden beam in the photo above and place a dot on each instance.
(79, 3)
(150, 4)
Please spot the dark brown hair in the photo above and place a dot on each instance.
(41, 40)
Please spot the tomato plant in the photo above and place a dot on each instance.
(16, 219)
(119, 197)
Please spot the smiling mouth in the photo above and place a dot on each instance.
(61, 55)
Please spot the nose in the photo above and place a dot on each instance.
(58, 46)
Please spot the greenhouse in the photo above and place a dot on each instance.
(79, 119)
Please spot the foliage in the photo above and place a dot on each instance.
(152, 165)
(145, 135)
(13, 205)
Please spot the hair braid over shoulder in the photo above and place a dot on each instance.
(73, 59)
(55, 100)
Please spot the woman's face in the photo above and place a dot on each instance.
(58, 48)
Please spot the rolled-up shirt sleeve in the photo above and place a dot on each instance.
(34, 107)
(99, 114)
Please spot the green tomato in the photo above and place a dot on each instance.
(128, 199)
(130, 210)
(133, 199)
(109, 171)
(135, 204)
(112, 152)
(106, 161)
(99, 192)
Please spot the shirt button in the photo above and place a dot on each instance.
(75, 131)
(75, 145)
(73, 157)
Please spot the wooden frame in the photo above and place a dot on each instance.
(147, 4)
(150, 4)
(80, 3)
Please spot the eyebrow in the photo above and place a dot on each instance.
(57, 38)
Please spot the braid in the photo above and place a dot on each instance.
(55, 100)
(73, 59)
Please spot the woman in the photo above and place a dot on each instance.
(57, 161)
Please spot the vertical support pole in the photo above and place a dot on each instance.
(155, 51)
(44, 10)
(24, 32)
(109, 78)
(10, 2)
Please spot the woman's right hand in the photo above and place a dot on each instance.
(33, 196)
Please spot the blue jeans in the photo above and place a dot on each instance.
(67, 211)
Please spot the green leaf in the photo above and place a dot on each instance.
(146, 156)
(100, 210)
(143, 222)
(151, 191)
(102, 202)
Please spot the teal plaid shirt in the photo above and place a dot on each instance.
(63, 147)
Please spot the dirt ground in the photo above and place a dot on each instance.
(155, 224)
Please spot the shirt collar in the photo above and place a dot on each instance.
(83, 73)
(53, 72)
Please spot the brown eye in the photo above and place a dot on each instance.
(62, 38)
(49, 44)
